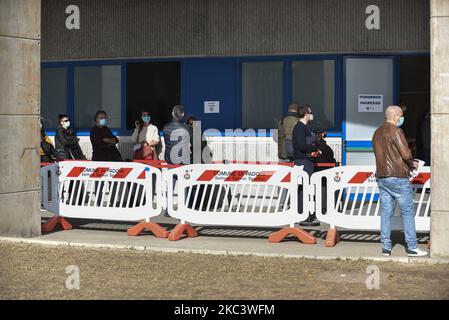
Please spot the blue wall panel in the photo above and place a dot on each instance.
(211, 80)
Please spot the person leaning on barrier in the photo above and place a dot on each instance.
(103, 140)
(66, 142)
(393, 165)
(178, 137)
(145, 138)
(304, 145)
(285, 132)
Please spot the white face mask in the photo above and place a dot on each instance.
(66, 125)
(310, 117)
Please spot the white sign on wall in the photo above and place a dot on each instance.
(371, 102)
(211, 106)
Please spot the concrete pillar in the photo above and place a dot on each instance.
(439, 123)
(19, 117)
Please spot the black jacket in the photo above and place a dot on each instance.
(302, 141)
(67, 145)
(327, 154)
(101, 151)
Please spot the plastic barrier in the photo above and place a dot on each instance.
(353, 202)
(238, 195)
(49, 187)
(117, 191)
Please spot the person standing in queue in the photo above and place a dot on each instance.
(103, 140)
(178, 138)
(285, 133)
(304, 147)
(145, 138)
(394, 162)
(66, 141)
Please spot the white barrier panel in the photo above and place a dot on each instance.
(49, 188)
(353, 199)
(237, 194)
(119, 191)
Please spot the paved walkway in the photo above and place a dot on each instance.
(230, 241)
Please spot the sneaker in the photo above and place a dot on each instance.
(310, 223)
(417, 253)
(386, 252)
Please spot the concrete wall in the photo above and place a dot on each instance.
(440, 117)
(19, 117)
(160, 28)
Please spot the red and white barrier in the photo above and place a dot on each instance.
(353, 202)
(237, 195)
(117, 191)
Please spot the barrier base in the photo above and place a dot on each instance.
(155, 228)
(332, 237)
(302, 235)
(51, 224)
(180, 229)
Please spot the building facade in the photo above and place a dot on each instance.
(249, 57)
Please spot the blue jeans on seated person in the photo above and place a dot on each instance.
(397, 189)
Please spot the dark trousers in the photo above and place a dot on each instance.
(309, 168)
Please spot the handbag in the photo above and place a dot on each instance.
(145, 152)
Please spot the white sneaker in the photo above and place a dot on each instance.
(417, 253)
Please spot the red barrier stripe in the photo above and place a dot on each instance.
(75, 172)
(360, 177)
(236, 175)
(287, 178)
(422, 178)
(264, 176)
(142, 175)
(208, 175)
(99, 172)
(122, 173)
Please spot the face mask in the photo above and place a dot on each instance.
(66, 124)
(401, 122)
(146, 119)
(103, 122)
(310, 117)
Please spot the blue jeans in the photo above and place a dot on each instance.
(397, 189)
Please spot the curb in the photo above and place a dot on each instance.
(427, 261)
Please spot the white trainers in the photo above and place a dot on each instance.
(417, 253)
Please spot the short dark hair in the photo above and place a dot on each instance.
(303, 110)
(98, 113)
(62, 116)
(178, 111)
(144, 110)
(293, 106)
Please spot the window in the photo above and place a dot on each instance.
(53, 95)
(261, 94)
(98, 88)
(313, 83)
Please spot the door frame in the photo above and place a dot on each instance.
(364, 145)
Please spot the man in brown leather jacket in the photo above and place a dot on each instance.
(393, 165)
